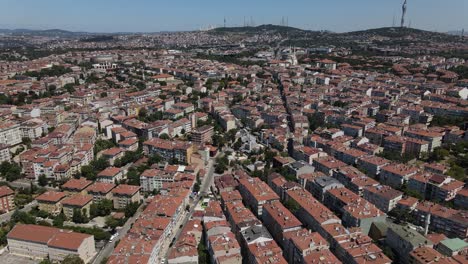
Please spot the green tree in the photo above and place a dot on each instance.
(154, 159)
(59, 220)
(439, 154)
(131, 209)
(102, 144)
(79, 216)
(164, 136)
(133, 177)
(113, 223)
(101, 208)
(457, 172)
(42, 180)
(45, 261)
(22, 217)
(26, 141)
(88, 172)
(69, 87)
(292, 205)
(72, 259)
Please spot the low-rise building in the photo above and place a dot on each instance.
(202, 135)
(100, 191)
(256, 193)
(396, 174)
(41, 242)
(313, 214)
(403, 240)
(384, 197)
(80, 202)
(279, 220)
(301, 243)
(74, 186)
(125, 194)
(50, 202)
(110, 175)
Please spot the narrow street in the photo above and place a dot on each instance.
(109, 247)
(206, 183)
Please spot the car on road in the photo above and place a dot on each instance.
(114, 236)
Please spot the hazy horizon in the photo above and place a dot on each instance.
(105, 16)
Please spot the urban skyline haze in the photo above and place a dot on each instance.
(179, 15)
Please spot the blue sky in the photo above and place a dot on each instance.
(156, 15)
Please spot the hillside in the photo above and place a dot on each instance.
(258, 30)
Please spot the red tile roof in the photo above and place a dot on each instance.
(124, 189)
(51, 196)
(5, 191)
(79, 200)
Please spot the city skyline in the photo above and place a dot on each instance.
(153, 16)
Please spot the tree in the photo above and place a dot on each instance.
(52, 88)
(59, 220)
(439, 154)
(142, 114)
(88, 172)
(154, 159)
(42, 180)
(100, 164)
(164, 136)
(457, 172)
(11, 171)
(27, 141)
(292, 205)
(22, 217)
(69, 87)
(131, 209)
(196, 187)
(101, 208)
(133, 176)
(72, 259)
(79, 216)
(112, 223)
(102, 144)
(316, 121)
(140, 86)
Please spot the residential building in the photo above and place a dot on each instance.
(124, 194)
(5, 154)
(100, 191)
(7, 199)
(396, 174)
(80, 202)
(299, 244)
(50, 202)
(74, 186)
(256, 193)
(313, 214)
(10, 133)
(110, 175)
(202, 135)
(403, 240)
(279, 220)
(383, 197)
(169, 150)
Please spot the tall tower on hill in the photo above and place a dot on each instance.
(403, 9)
